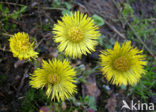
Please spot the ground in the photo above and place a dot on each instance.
(118, 20)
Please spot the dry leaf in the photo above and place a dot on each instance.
(64, 106)
(111, 103)
(19, 63)
(90, 87)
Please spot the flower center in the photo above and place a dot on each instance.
(75, 34)
(53, 78)
(121, 64)
(24, 45)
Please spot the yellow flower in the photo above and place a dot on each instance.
(57, 76)
(123, 65)
(21, 47)
(77, 34)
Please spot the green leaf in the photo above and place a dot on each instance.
(4, 12)
(64, 12)
(91, 103)
(1, 7)
(100, 40)
(98, 20)
(67, 5)
(56, 3)
(127, 11)
(23, 9)
(16, 14)
(123, 87)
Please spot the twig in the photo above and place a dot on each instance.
(42, 40)
(39, 43)
(50, 8)
(115, 30)
(107, 23)
(22, 80)
(152, 19)
(40, 18)
(12, 4)
(51, 21)
(135, 33)
(6, 34)
(111, 26)
(142, 42)
(3, 49)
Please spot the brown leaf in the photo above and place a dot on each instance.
(4, 108)
(64, 106)
(90, 110)
(90, 87)
(1, 94)
(46, 109)
(75, 111)
(53, 52)
(111, 103)
(19, 63)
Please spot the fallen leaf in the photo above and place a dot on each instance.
(19, 63)
(1, 94)
(90, 87)
(46, 109)
(53, 52)
(64, 106)
(90, 110)
(75, 111)
(111, 103)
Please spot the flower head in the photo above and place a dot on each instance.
(123, 65)
(57, 76)
(77, 34)
(21, 47)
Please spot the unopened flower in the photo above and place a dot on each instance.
(123, 65)
(21, 47)
(57, 77)
(77, 34)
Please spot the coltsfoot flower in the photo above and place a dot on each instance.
(57, 77)
(123, 65)
(77, 34)
(21, 47)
